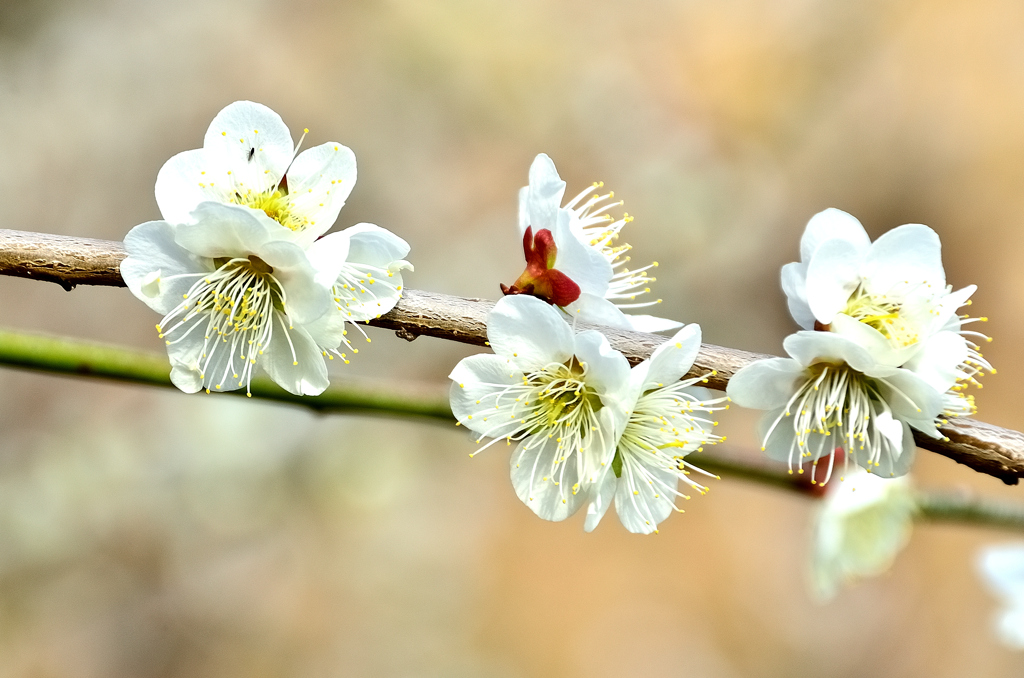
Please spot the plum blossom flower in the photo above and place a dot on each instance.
(890, 296)
(858, 531)
(833, 393)
(556, 393)
(1002, 569)
(234, 294)
(667, 420)
(249, 162)
(572, 259)
(248, 159)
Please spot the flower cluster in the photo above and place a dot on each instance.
(245, 278)
(238, 267)
(883, 350)
(588, 429)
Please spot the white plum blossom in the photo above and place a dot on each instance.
(369, 283)
(234, 294)
(859, 529)
(667, 420)
(555, 393)
(249, 163)
(248, 159)
(890, 296)
(1002, 569)
(572, 259)
(833, 393)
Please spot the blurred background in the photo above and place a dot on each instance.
(144, 533)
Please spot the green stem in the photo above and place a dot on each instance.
(741, 466)
(58, 355)
(74, 357)
(964, 508)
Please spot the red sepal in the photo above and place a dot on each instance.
(540, 279)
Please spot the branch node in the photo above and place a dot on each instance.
(406, 334)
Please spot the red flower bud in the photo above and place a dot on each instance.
(540, 279)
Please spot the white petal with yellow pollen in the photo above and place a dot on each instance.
(247, 146)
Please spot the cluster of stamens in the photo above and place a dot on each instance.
(884, 313)
(841, 406)
(601, 231)
(666, 424)
(359, 285)
(551, 403)
(956, 402)
(234, 307)
(275, 203)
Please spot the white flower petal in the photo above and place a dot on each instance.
(252, 141)
(185, 376)
(220, 230)
(766, 384)
(529, 332)
(674, 358)
(328, 331)
(476, 380)
(328, 255)
(833, 274)
(585, 265)
(366, 306)
(794, 284)
(891, 465)
(319, 181)
(643, 497)
(151, 284)
(524, 210)
(602, 494)
(305, 299)
(151, 247)
(832, 224)
(946, 317)
(906, 254)
(651, 323)
(809, 348)
(939, 359)
(910, 396)
(376, 246)
(296, 365)
(193, 356)
(594, 309)
(184, 181)
(607, 369)
(543, 197)
(890, 428)
(874, 342)
(546, 488)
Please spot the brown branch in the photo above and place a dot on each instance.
(71, 261)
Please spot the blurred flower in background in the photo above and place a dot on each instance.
(862, 524)
(1002, 570)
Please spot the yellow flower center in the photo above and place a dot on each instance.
(275, 203)
(883, 313)
(563, 397)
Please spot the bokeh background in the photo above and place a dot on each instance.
(146, 533)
